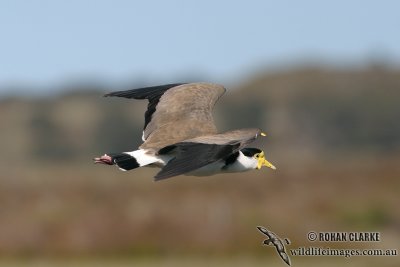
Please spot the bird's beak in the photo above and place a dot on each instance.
(263, 162)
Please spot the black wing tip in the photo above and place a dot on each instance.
(161, 176)
(116, 93)
(112, 93)
(143, 92)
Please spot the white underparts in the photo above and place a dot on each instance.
(243, 163)
(143, 158)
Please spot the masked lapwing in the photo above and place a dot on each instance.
(180, 136)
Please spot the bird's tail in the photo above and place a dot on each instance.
(128, 160)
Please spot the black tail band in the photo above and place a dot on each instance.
(124, 161)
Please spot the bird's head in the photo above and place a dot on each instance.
(258, 156)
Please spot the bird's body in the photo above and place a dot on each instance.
(237, 162)
(181, 138)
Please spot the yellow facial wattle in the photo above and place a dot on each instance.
(263, 162)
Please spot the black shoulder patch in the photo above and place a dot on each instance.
(250, 151)
(152, 93)
(191, 156)
(231, 158)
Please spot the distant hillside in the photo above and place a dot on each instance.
(310, 111)
(326, 110)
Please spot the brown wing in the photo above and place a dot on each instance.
(176, 111)
(183, 112)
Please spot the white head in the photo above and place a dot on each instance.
(258, 157)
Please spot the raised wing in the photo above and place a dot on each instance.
(198, 152)
(176, 112)
(152, 93)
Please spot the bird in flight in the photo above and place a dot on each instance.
(275, 240)
(180, 136)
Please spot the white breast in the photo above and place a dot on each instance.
(242, 164)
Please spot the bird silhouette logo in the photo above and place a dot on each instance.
(275, 240)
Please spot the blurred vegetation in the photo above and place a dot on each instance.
(334, 135)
